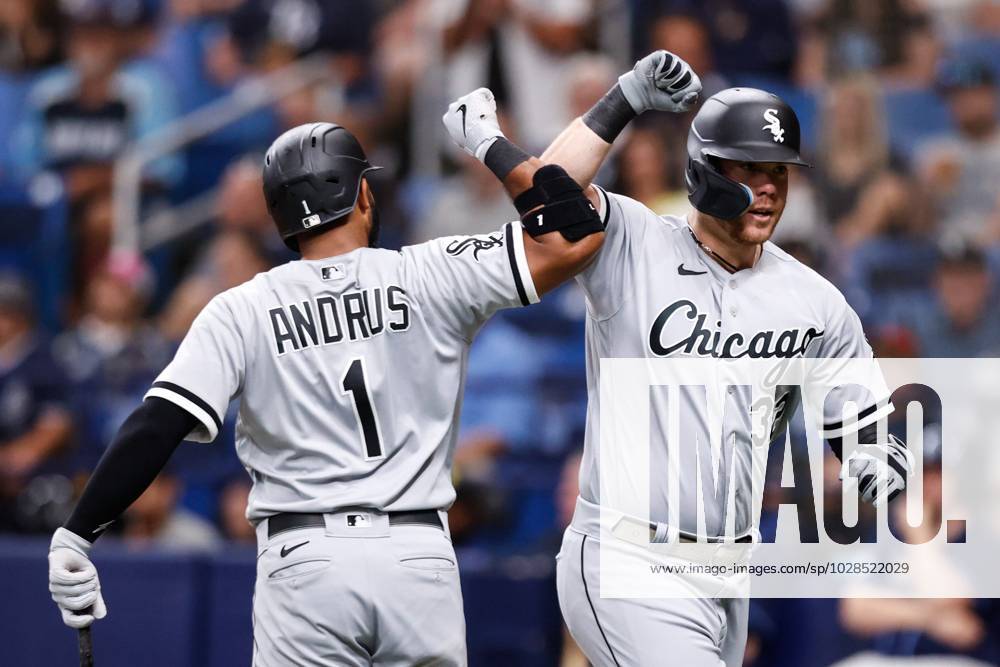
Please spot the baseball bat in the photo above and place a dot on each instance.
(85, 642)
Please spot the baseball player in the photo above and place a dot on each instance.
(708, 285)
(348, 366)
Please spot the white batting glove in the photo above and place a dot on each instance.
(660, 81)
(73, 579)
(471, 122)
(880, 470)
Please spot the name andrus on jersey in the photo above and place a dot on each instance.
(329, 319)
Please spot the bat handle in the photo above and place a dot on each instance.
(85, 642)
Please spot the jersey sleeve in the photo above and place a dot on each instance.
(607, 279)
(847, 372)
(465, 279)
(208, 370)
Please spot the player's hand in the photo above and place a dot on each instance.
(73, 579)
(471, 121)
(880, 470)
(660, 81)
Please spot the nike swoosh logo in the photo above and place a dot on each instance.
(688, 272)
(285, 550)
(463, 110)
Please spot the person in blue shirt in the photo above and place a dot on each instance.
(960, 321)
(35, 420)
(81, 115)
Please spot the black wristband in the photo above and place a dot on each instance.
(610, 115)
(503, 156)
(867, 435)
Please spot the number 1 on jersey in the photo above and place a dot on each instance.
(353, 383)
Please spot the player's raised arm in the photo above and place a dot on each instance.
(660, 81)
(546, 197)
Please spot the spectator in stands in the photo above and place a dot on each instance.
(232, 259)
(962, 321)
(955, 20)
(240, 207)
(268, 34)
(755, 39)
(894, 38)
(687, 35)
(861, 187)
(156, 519)
(82, 115)
(30, 35)
(961, 172)
(112, 355)
(275, 32)
(589, 77)
(804, 232)
(915, 626)
(35, 419)
(645, 173)
(471, 202)
(521, 49)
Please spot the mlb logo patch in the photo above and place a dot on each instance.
(310, 221)
(358, 521)
(332, 272)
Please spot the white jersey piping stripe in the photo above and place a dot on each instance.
(209, 430)
(851, 426)
(603, 206)
(520, 263)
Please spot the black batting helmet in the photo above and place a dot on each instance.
(312, 177)
(743, 124)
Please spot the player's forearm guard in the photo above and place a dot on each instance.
(610, 115)
(564, 206)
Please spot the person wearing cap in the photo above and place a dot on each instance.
(81, 115)
(35, 421)
(961, 170)
(112, 354)
(959, 320)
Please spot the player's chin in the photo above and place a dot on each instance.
(757, 225)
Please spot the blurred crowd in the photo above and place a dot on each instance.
(899, 106)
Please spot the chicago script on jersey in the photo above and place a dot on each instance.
(708, 342)
(328, 319)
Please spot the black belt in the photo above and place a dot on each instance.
(683, 536)
(279, 523)
(746, 539)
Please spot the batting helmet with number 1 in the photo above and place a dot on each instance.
(312, 177)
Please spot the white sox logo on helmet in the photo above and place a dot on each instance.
(774, 125)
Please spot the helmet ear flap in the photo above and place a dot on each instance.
(713, 194)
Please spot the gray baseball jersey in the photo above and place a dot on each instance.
(349, 370)
(654, 292)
